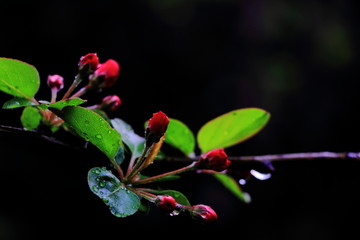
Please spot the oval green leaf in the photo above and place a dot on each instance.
(232, 186)
(180, 136)
(231, 128)
(17, 102)
(30, 118)
(92, 127)
(107, 187)
(18, 78)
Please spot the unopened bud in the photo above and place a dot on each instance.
(105, 75)
(203, 213)
(166, 203)
(216, 160)
(111, 102)
(156, 127)
(55, 82)
(88, 63)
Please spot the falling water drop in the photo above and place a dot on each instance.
(259, 175)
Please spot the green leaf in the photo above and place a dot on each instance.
(180, 136)
(92, 127)
(232, 186)
(130, 138)
(231, 128)
(17, 102)
(61, 104)
(18, 78)
(30, 118)
(121, 201)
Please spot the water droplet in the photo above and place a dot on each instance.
(98, 136)
(102, 184)
(259, 175)
(174, 213)
(87, 122)
(109, 131)
(96, 170)
(105, 200)
(95, 188)
(242, 181)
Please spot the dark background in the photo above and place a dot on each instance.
(193, 60)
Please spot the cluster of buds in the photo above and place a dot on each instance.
(99, 76)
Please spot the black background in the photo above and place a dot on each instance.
(193, 60)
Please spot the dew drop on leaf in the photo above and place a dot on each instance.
(95, 188)
(98, 136)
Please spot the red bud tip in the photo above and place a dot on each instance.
(203, 213)
(158, 124)
(111, 102)
(106, 74)
(89, 62)
(55, 82)
(166, 203)
(216, 160)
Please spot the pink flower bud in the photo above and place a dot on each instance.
(216, 160)
(166, 203)
(88, 63)
(106, 74)
(203, 213)
(55, 82)
(111, 102)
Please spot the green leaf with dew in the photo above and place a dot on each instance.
(121, 201)
(92, 127)
(17, 102)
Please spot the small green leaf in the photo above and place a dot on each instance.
(180, 136)
(231, 128)
(30, 118)
(92, 127)
(121, 201)
(17, 102)
(18, 78)
(130, 138)
(69, 102)
(232, 186)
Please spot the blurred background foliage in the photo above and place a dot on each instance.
(195, 60)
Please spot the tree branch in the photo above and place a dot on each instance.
(246, 159)
(283, 157)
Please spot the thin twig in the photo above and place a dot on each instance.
(257, 158)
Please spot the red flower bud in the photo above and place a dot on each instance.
(111, 102)
(156, 127)
(89, 63)
(166, 203)
(106, 74)
(216, 160)
(203, 213)
(55, 82)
